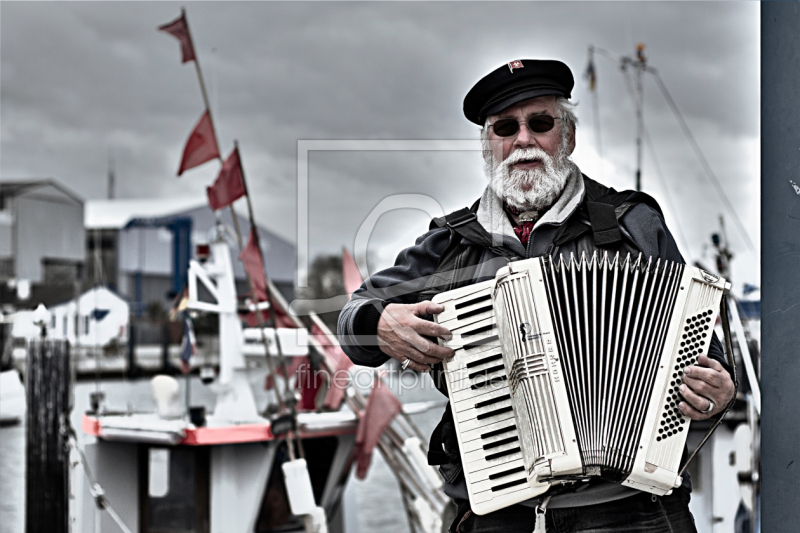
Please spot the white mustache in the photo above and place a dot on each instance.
(523, 154)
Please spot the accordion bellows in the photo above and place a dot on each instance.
(566, 370)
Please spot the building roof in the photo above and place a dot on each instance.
(114, 214)
(280, 254)
(15, 188)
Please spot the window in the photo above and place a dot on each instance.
(60, 272)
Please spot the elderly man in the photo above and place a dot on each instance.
(535, 204)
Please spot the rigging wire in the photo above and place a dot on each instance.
(703, 161)
(698, 152)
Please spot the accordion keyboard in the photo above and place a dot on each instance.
(481, 402)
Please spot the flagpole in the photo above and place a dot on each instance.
(267, 291)
(259, 317)
(204, 92)
(200, 79)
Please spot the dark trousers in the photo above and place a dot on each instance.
(641, 513)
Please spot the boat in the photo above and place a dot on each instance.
(233, 469)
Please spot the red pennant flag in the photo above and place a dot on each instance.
(254, 265)
(351, 274)
(229, 186)
(338, 363)
(295, 363)
(382, 406)
(179, 29)
(201, 145)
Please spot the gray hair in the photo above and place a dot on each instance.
(566, 112)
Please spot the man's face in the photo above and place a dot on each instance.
(548, 141)
(528, 170)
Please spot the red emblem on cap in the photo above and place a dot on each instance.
(515, 64)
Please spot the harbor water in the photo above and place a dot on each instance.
(378, 504)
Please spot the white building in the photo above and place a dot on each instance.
(102, 319)
(42, 242)
(101, 314)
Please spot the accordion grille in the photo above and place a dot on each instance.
(528, 377)
(610, 321)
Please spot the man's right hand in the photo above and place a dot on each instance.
(400, 331)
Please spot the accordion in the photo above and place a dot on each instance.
(566, 370)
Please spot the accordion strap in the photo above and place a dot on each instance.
(726, 328)
(600, 213)
(464, 223)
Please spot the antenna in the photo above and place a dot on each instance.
(111, 176)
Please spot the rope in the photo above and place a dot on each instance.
(95, 489)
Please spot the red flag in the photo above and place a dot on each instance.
(351, 274)
(295, 363)
(515, 64)
(201, 145)
(382, 406)
(309, 382)
(338, 363)
(229, 186)
(254, 265)
(179, 29)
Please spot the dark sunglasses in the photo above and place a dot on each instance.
(506, 127)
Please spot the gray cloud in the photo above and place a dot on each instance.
(77, 79)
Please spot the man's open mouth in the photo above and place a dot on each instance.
(527, 162)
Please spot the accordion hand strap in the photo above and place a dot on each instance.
(726, 328)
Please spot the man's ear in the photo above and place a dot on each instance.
(571, 143)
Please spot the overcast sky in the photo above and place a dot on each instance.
(81, 80)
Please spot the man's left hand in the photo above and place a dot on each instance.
(704, 382)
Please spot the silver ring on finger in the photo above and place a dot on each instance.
(710, 407)
(405, 363)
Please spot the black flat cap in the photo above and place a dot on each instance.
(514, 82)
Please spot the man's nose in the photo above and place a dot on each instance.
(524, 137)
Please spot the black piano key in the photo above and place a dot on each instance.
(507, 472)
(499, 443)
(498, 432)
(502, 454)
(493, 400)
(473, 301)
(474, 312)
(487, 382)
(488, 359)
(487, 371)
(510, 484)
(506, 409)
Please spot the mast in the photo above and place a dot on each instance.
(111, 177)
(639, 65)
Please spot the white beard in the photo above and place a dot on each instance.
(534, 189)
